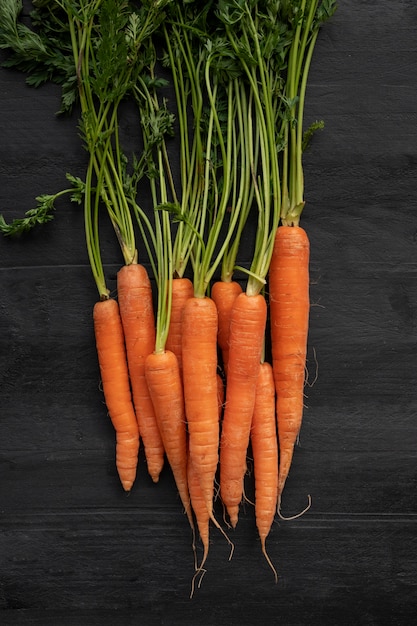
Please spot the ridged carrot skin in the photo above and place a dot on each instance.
(182, 290)
(247, 334)
(114, 373)
(199, 358)
(289, 313)
(265, 454)
(136, 309)
(224, 294)
(165, 387)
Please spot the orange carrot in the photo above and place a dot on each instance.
(199, 355)
(164, 382)
(224, 293)
(289, 312)
(182, 290)
(115, 381)
(136, 310)
(247, 333)
(265, 455)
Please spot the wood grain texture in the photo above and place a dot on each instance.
(74, 550)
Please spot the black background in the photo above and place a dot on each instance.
(73, 548)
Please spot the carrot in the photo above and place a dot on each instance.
(136, 310)
(115, 380)
(182, 290)
(265, 455)
(289, 312)
(165, 387)
(199, 353)
(224, 293)
(247, 333)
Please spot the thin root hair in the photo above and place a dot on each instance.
(316, 375)
(297, 515)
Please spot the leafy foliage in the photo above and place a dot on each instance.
(43, 212)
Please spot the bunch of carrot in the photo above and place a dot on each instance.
(189, 378)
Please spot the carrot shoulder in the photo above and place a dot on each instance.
(247, 333)
(182, 290)
(116, 388)
(136, 309)
(289, 312)
(224, 294)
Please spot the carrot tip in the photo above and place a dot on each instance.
(233, 512)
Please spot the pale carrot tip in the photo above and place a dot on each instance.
(233, 516)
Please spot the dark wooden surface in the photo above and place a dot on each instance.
(74, 550)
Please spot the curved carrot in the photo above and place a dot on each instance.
(182, 290)
(115, 381)
(224, 293)
(136, 309)
(265, 455)
(247, 334)
(165, 387)
(289, 312)
(199, 357)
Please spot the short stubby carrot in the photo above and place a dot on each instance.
(247, 334)
(265, 455)
(289, 313)
(116, 388)
(182, 290)
(199, 358)
(134, 292)
(224, 293)
(165, 387)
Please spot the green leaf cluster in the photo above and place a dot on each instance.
(237, 73)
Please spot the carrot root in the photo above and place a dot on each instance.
(289, 312)
(247, 332)
(165, 387)
(199, 355)
(134, 292)
(265, 456)
(116, 388)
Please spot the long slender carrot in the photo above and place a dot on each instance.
(265, 455)
(136, 309)
(182, 290)
(199, 354)
(165, 387)
(289, 312)
(224, 293)
(247, 333)
(115, 381)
